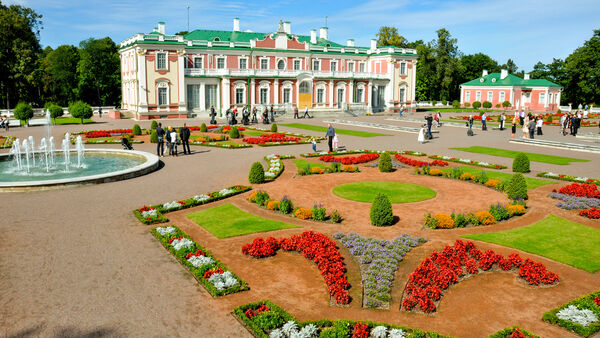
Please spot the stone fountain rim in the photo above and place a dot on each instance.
(150, 164)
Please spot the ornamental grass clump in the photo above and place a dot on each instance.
(257, 173)
(499, 212)
(381, 211)
(521, 163)
(517, 187)
(285, 205)
(385, 163)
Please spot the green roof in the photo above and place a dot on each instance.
(210, 35)
(493, 79)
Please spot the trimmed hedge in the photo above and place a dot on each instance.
(521, 163)
(507, 333)
(154, 124)
(257, 173)
(203, 128)
(234, 132)
(274, 128)
(137, 130)
(153, 136)
(381, 211)
(199, 272)
(385, 163)
(517, 187)
(584, 302)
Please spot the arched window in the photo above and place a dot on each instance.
(304, 87)
(281, 65)
(216, 39)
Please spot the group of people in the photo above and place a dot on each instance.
(172, 139)
(268, 116)
(5, 122)
(571, 121)
(306, 114)
(425, 134)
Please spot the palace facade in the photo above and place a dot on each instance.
(184, 75)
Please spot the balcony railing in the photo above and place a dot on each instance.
(282, 73)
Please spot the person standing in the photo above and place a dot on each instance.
(470, 122)
(296, 112)
(160, 140)
(502, 120)
(539, 123)
(272, 114)
(421, 137)
(335, 142)
(7, 123)
(484, 122)
(168, 140)
(184, 134)
(532, 125)
(562, 127)
(522, 117)
(576, 124)
(173, 135)
(330, 134)
(525, 127)
(513, 128)
(429, 120)
(254, 118)
(266, 116)
(213, 113)
(571, 122)
(100, 112)
(314, 144)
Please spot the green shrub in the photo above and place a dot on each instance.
(445, 102)
(55, 111)
(80, 110)
(381, 211)
(487, 104)
(154, 136)
(467, 104)
(274, 127)
(471, 218)
(336, 167)
(455, 104)
(137, 130)
(434, 102)
(257, 173)
(482, 178)
(285, 205)
(262, 198)
(558, 111)
(385, 163)
(203, 128)
(456, 172)
(549, 118)
(234, 133)
(319, 213)
(476, 104)
(269, 320)
(498, 105)
(335, 216)
(506, 104)
(499, 212)
(460, 221)
(517, 187)
(430, 221)
(23, 111)
(521, 163)
(154, 125)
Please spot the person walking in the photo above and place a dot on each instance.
(513, 128)
(330, 134)
(306, 113)
(421, 137)
(502, 120)
(484, 122)
(173, 135)
(184, 135)
(429, 120)
(532, 125)
(335, 142)
(266, 116)
(539, 124)
(314, 144)
(296, 112)
(160, 141)
(213, 113)
(470, 124)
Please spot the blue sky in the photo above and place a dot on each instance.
(527, 31)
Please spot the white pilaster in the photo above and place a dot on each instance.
(350, 91)
(225, 92)
(368, 95)
(202, 96)
(276, 93)
(546, 99)
(181, 83)
(330, 93)
(252, 92)
(142, 86)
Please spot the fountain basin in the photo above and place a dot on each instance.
(101, 166)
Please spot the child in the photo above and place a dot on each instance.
(335, 142)
(314, 145)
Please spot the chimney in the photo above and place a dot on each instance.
(313, 36)
(287, 27)
(373, 44)
(236, 24)
(526, 77)
(161, 27)
(503, 74)
(323, 33)
(350, 43)
(484, 73)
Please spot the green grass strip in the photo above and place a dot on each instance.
(338, 131)
(228, 220)
(511, 154)
(397, 192)
(553, 237)
(301, 164)
(532, 183)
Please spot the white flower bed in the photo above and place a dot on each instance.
(464, 160)
(583, 317)
(269, 174)
(172, 205)
(226, 192)
(396, 333)
(551, 174)
(379, 332)
(201, 198)
(290, 330)
(223, 281)
(272, 156)
(483, 163)
(179, 244)
(446, 157)
(581, 179)
(163, 231)
(198, 261)
(150, 213)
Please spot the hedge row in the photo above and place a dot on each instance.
(584, 302)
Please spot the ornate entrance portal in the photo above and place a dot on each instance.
(304, 95)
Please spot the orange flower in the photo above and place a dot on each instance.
(485, 217)
(304, 213)
(349, 168)
(515, 209)
(492, 183)
(273, 205)
(316, 170)
(444, 221)
(252, 196)
(435, 172)
(466, 177)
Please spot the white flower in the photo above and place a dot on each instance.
(379, 332)
(150, 213)
(323, 153)
(172, 205)
(269, 174)
(396, 333)
(551, 174)
(201, 198)
(290, 327)
(272, 156)
(581, 179)
(446, 157)
(223, 281)
(212, 143)
(165, 230)
(226, 192)
(465, 160)
(179, 244)
(484, 163)
(277, 333)
(198, 261)
(309, 331)
(583, 317)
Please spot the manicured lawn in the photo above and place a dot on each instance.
(301, 164)
(254, 133)
(457, 110)
(532, 183)
(555, 238)
(397, 192)
(229, 221)
(72, 120)
(338, 131)
(511, 153)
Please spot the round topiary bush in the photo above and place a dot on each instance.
(154, 125)
(154, 136)
(55, 111)
(476, 104)
(81, 110)
(23, 111)
(487, 104)
(517, 187)
(137, 130)
(455, 104)
(385, 163)
(257, 173)
(274, 128)
(381, 211)
(234, 133)
(203, 128)
(521, 163)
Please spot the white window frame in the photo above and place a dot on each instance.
(286, 85)
(166, 55)
(502, 97)
(351, 67)
(264, 85)
(467, 95)
(219, 58)
(362, 67)
(240, 85)
(299, 64)
(490, 96)
(550, 98)
(542, 98)
(162, 85)
(201, 58)
(478, 95)
(284, 64)
(360, 98)
(321, 98)
(403, 68)
(260, 63)
(316, 65)
(400, 98)
(240, 63)
(333, 66)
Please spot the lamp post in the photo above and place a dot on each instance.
(188, 18)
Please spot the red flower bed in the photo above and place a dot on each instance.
(211, 272)
(597, 300)
(441, 269)
(275, 137)
(593, 213)
(227, 128)
(314, 246)
(106, 133)
(197, 253)
(581, 190)
(262, 309)
(417, 163)
(361, 330)
(350, 159)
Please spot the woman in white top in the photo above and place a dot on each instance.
(421, 137)
(525, 128)
(539, 123)
(173, 135)
(335, 142)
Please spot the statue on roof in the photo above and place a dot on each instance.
(280, 29)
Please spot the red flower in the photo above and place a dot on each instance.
(581, 190)
(597, 300)
(592, 213)
(361, 330)
(350, 159)
(210, 272)
(417, 163)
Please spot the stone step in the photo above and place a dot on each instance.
(559, 145)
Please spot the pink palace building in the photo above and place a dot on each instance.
(167, 76)
(526, 93)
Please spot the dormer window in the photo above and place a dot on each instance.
(216, 39)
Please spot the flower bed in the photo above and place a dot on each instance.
(268, 130)
(580, 190)
(570, 202)
(106, 133)
(417, 163)
(496, 213)
(314, 246)
(212, 274)
(265, 319)
(378, 260)
(286, 207)
(458, 174)
(343, 152)
(350, 159)
(569, 178)
(441, 269)
(223, 144)
(272, 139)
(468, 162)
(6, 141)
(187, 203)
(275, 165)
(593, 213)
(577, 315)
(514, 332)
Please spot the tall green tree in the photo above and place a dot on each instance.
(583, 72)
(474, 64)
(19, 50)
(511, 66)
(60, 74)
(446, 65)
(388, 36)
(99, 72)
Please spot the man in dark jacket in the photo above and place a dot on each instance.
(160, 142)
(429, 120)
(330, 134)
(184, 134)
(531, 127)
